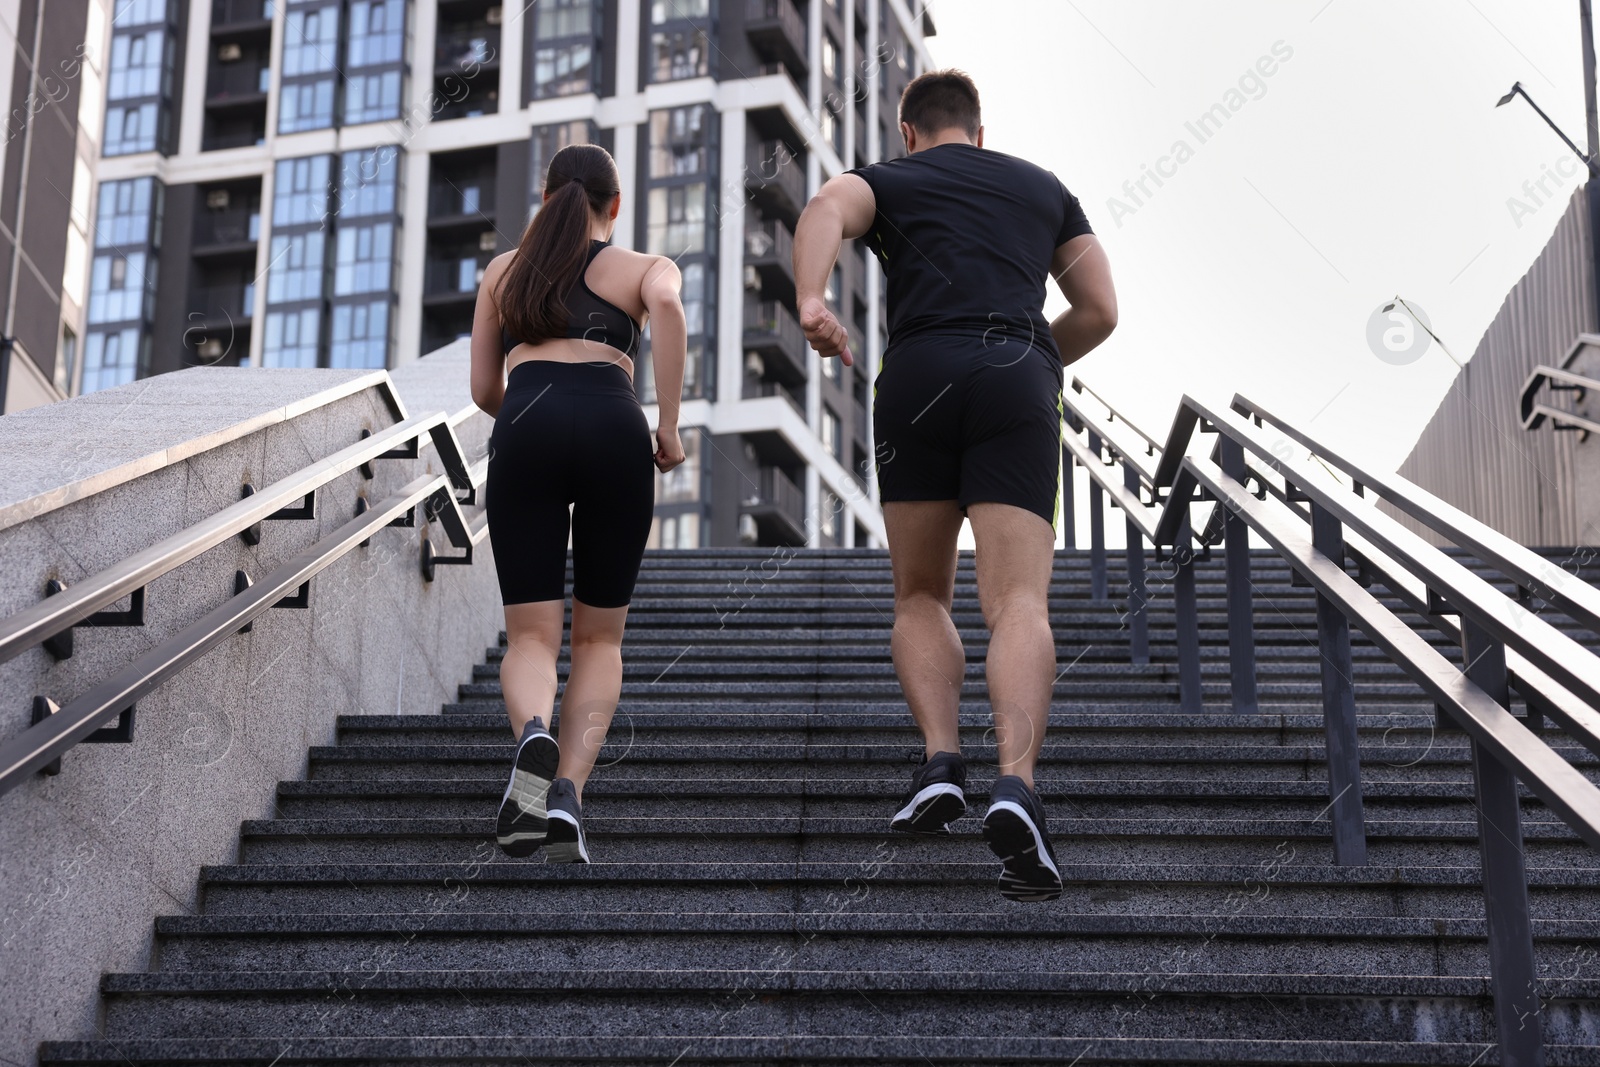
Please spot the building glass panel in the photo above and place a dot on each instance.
(565, 48)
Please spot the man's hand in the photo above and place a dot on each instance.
(824, 332)
(669, 450)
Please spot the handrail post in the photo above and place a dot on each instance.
(1241, 607)
(1069, 505)
(1512, 971)
(1339, 704)
(1138, 596)
(1187, 618)
(1097, 532)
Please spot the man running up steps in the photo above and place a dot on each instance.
(967, 413)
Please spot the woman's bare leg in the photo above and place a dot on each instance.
(593, 688)
(528, 671)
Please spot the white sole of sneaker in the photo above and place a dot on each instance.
(932, 810)
(563, 841)
(1027, 872)
(521, 824)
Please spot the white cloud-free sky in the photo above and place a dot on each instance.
(1371, 162)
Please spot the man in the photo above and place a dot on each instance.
(967, 419)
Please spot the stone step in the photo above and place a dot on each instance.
(784, 1048)
(845, 940)
(284, 841)
(784, 998)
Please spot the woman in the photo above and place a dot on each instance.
(553, 340)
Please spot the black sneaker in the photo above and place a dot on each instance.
(935, 799)
(1014, 830)
(520, 827)
(563, 841)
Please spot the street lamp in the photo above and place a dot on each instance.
(1518, 90)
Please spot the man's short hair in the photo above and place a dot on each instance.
(940, 100)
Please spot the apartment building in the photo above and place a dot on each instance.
(321, 183)
(52, 91)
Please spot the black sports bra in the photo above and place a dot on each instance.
(591, 316)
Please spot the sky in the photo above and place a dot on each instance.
(1370, 162)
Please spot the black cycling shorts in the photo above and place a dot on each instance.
(569, 434)
(954, 418)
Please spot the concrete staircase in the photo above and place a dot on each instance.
(748, 904)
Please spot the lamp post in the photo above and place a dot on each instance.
(1591, 159)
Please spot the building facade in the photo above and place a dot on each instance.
(321, 183)
(53, 90)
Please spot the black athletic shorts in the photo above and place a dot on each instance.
(954, 418)
(569, 434)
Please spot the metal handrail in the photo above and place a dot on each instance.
(1078, 386)
(77, 602)
(1502, 642)
(1531, 571)
(1534, 413)
(46, 741)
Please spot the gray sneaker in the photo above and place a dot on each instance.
(520, 826)
(563, 841)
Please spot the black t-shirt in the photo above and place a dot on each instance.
(966, 236)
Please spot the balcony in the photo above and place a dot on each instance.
(769, 248)
(778, 32)
(239, 19)
(755, 388)
(467, 49)
(226, 233)
(240, 82)
(450, 280)
(778, 505)
(771, 330)
(218, 308)
(776, 178)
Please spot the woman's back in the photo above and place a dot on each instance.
(605, 306)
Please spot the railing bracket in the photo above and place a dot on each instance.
(362, 507)
(119, 734)
(432, 559)
(408, 519)
(60, 645)
(301, 599)
(241, 582)
(306, 510)
(405, 451)
(366, 468)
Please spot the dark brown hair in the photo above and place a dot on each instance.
(580, 184)
(939, 100)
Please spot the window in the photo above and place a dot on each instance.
(677, 220)
(828, 515)
(310, 40)
(300, 191)
(363, 258)
(681, 485)
(110, 359)
(124, 215)
(694, 298)
(291, 339)
(372, 97)
(118, 287)
(135, 65)
(829, 431)
(139, 12)
(832, 69)
(559, 70)
(564, 18)
(679, 141)
(130, 129)
(296, 269)
(673, 10)
(360, 335)
(307, 106)
(368, 180)
(678, 54)
(676, 531)
(377, 32)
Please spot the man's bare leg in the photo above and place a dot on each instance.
(1016, 550)
(928, 658)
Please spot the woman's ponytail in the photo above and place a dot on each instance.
(580, 184)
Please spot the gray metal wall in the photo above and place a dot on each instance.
(1475, 453)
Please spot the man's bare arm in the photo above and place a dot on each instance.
(1083, 272)
(843, 208)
